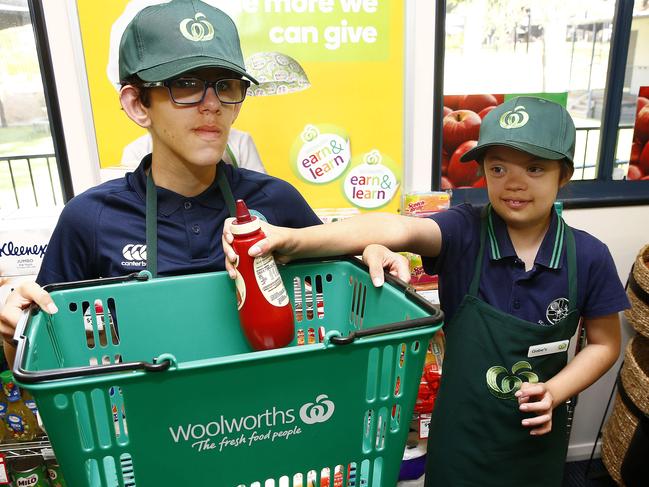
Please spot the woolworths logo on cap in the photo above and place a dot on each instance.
(270, 425)
(514, 119)
(197, 29)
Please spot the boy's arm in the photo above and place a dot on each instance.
(603, 349)
(600, 353)
(350, 236)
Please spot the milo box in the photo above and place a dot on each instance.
(31, 477)
(55, 475)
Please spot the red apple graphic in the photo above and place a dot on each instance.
(480, 183)
(484, 111)
(446, 184)
(463, 173)
(445, 160)
(446, 111)
(634, 173)
(459, 126)
(642, 102)
(453, 101)
(636, 150)
(641, 133)
(475, 103)
(643, 160)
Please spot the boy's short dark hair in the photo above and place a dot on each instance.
(143, 93)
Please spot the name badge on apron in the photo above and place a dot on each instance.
(548, 348)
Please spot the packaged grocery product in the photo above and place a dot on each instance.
(418, 277)
(20, 423)
(265, 311)
(29, 472)
(425, 203)
(53, 469)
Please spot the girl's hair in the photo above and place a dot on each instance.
(567, 168)
(143, 93)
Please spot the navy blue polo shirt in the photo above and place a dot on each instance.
(101, 232)
(540, 295)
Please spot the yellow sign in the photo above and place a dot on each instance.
(352, 52)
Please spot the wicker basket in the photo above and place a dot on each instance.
(638, 292)
(618, 432)
(635, 372)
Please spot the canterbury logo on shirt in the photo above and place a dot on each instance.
(135, 255)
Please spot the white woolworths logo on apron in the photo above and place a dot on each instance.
(514, 119)
(197, 29)
(272, 424)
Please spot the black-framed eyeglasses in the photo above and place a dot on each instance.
(191, 91)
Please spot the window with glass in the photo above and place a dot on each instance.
(29, 168)
(561, 50)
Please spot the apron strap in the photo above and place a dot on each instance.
(570, 249)
(152, 214)
(230, 152)
(475, 282)
(151, 225)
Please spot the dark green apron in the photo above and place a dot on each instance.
(476, 436)
(152, 213)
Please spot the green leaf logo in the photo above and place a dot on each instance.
(510, 383)
(310, 133)
(372, 157)
(197, 29)
(514, 119)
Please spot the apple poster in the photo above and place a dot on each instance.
(639, 160)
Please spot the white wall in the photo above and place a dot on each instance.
(625, 231)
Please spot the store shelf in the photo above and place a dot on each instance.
(24, 449)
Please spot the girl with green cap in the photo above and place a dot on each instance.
(514, 281)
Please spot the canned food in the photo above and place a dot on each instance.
(55, 475)
(30, 474)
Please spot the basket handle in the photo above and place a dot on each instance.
(103, 281)
(33, 377)
(428, 321)
(19, 332)
(21, 340)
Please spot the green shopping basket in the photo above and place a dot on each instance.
(168, 392)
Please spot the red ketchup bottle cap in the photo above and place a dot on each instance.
(243, 215)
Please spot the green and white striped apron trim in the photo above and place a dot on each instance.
(558, 244)
(495, 250)
(558, 240)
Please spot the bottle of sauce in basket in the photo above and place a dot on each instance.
(20, 422)
(265, 310)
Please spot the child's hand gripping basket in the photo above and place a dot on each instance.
(161, 388)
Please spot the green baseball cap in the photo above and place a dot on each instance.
(534, 125)
(166, 40)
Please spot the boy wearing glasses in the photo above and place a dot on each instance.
(184, 80)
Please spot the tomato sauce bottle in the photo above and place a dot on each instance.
(265, 310)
